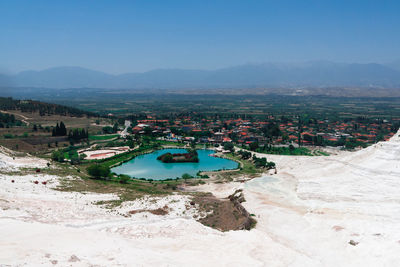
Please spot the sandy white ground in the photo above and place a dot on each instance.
(103, 153)
(9, 161)
(307, 214)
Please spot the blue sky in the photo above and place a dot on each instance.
(135, 36)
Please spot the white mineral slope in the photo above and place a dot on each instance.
(42, 226)
(9, 161)
(306, 214)
(316, 205)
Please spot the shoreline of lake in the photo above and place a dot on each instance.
(147, 167)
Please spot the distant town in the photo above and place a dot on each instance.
(258, 134)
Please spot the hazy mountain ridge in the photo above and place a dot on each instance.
(394, 65)
(316, 73)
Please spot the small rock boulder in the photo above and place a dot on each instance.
(353, 243)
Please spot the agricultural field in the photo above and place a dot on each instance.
(223, 105)
(35, 132)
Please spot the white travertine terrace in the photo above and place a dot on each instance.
(307, 214)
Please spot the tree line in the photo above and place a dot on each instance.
(7, 120)
(8, 103)
(76, 134)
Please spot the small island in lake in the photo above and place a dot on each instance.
(190, 156)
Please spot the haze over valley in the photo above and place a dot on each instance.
(310, 74)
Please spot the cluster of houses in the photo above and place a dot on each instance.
(243, 131)
(334, 131)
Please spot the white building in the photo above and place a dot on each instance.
(128, 123)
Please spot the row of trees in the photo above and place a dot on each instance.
(244, 154)
(74, 157)
(263, 163)
(110, 130)
(75, 134)
(258, 162)
(59, 130)
(78, 134)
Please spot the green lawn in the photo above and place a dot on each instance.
(247, 166)
(74, 154)
(102, 137)
(297, 151)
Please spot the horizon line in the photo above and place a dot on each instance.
(10, 73)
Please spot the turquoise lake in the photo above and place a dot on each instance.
(147, 166)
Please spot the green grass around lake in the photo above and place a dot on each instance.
(109, 162)
(295, 151)
(102, 137)
(247, 167)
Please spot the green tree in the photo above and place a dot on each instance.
(186, 176)
(57, 155)
(123, 179)
(108, 130)
(229, 146)
(115, 128)
(270, 165)
(62, 130)
(59, 130)
(193, 144)
(99, 171)
(167, 158)
(253, 146)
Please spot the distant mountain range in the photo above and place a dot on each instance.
(314, 74)
(394, 65)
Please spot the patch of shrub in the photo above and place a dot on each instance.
(123, 179)
(8, 136)
(58, 155)
(99, 171)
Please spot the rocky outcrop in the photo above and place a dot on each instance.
(237, 198)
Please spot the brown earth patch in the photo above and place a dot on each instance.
(224, 214)
(42, 144)
(160, 211)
